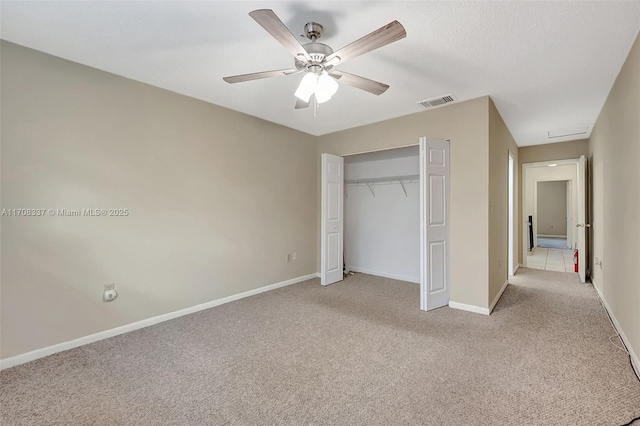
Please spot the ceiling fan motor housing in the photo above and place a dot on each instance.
(317, 51)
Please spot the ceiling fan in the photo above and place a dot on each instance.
(316, 60)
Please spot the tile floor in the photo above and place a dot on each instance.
(550, 259)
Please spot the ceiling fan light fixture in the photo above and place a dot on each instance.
(327, 87)
(323, 86)
(322, 97)
(307, 87)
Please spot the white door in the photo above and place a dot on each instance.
(434, 223)
(582, 210)
(510, 214)
(331, 263)
(569, 213)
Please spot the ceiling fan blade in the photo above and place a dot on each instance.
(365, 84)
(274, 26)
(258, 75)
(300, 104)
(391, 32)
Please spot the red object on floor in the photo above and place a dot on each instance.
(575, 261)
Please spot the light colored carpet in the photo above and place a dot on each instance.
(356, 353)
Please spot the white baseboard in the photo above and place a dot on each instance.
(498, 296)
(384, 275)
(50, 350)
(635, 361)
(469, 308)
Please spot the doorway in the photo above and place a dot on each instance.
(549, 243)
(386, 213)
(553, 211)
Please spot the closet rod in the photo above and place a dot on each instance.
(389, 179)
(382, 179)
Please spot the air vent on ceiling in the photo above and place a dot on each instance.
(440, 100)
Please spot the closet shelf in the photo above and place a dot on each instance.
(387, 179)
(382, 179)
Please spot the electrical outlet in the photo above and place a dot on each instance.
(109, 292)
(499, 263)
(294, 256)
(289, 257)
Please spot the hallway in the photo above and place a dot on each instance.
(551, 259)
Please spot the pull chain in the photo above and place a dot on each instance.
(315, 109)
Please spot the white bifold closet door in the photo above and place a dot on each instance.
(434, 222)
(332, 223)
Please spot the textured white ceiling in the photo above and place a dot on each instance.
(547, 65)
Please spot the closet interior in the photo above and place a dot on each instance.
(382, 213)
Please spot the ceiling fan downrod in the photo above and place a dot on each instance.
(313, 31)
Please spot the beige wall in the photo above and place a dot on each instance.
(216, 200)
(501, 143)
(552, 208)
(554, 151)
(466, 124)
(615, 154)
(546, 152)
